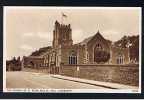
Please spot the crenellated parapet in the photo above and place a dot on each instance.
(62, 35)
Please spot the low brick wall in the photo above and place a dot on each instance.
(124, 74)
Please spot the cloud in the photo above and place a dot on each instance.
(112, 35)
(26, 47)
(77, 35)
(44, 35)
(40, 35)
(28, 34)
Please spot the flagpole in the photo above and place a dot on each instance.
(63, 16)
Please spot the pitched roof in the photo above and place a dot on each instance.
(40, 51)
(85, 41)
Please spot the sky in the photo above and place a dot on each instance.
(29, 28)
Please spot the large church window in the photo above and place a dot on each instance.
(100, 55)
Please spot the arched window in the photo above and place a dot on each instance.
(100, 55)
(31, 62)
(120, 59)
(73, 58)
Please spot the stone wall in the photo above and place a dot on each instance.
(123, 74)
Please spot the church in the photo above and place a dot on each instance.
(92, 50)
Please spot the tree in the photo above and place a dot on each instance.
(134, 48)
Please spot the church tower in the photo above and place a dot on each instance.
(62, 35)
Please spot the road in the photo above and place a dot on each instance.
(21, 79)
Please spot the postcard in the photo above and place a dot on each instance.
(72, 49)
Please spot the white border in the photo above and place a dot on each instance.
(4, 48)
(56, 7)
(140, 48)
(72, 90)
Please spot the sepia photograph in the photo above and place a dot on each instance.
(72, 49)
